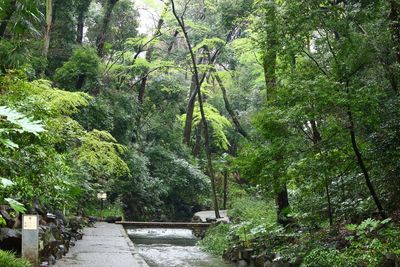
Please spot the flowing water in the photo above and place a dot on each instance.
(171, 248)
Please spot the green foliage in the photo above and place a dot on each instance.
(83, 64)
(373, 240)
(15, 205)
(109, 210)
(100, 155)
(216, 241)
(217, 122)
(12, 122)
(8, 259)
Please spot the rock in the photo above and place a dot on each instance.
(246, 254)
(49, 242)
(242, 263)
(211, 220)
(60, 216)
(113, 219)
(196, 219)
(75, 223)
(51, 217)
(10, 239)
(391, 260)
(51, 260)
(92, 219)
(268, 264)
(9, 220)
(37, 209)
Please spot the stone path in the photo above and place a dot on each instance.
(210, 214)
(104, 245)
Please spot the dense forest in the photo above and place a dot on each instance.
(286, 113)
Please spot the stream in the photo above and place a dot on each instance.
(171, 248)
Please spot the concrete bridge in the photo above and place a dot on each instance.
(174, 225)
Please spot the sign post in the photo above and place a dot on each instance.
(102, 196)
(30, 239)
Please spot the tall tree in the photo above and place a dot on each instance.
(8, 9)
(49, 22)
(181, 22)
(82, 10)
(102, 35)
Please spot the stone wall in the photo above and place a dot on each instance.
(56, 233)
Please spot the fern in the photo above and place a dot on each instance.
(11, 121)
(218, 124)
(23, 123)
(101, 154)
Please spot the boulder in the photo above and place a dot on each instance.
(113, 219)
(246, 254)
(242, 263)
(10, 239)
(391, 260)
(7, 217)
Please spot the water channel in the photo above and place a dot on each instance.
(171, 248)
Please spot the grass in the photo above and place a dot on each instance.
(8, 259)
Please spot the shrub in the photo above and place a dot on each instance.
(8, 259)
(216, 240)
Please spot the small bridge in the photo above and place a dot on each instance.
(174, 225)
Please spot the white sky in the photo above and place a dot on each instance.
(148, 14)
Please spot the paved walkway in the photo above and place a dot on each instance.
(210, 214)
(104, 245)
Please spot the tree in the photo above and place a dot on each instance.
(197, 90)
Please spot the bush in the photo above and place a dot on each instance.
(109, 210)
(249, 208)
(216, 240)
(370, 242)
(8, 259)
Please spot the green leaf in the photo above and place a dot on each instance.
(15, 205)
(26, 124)
(8, 143)
(2, 221)
(6, 183)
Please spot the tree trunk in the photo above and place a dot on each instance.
(197, 144)
(9, 11)
(225, 200)
(394, 17)
(328, 199)
(187, 131)
(228, 107)
(282, 203)
(269, 59)
(80, 26)
(203, 117)
(49, 22)
(143, 82)
(101, 38)
(149, 54)
(361, 164)
(316, 138)
(80, 81)
(82, 9)
(171, 45)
